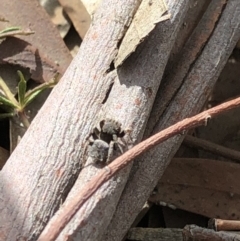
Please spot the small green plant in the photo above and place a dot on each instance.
(14, 106)
(8, 102)
(12, 31)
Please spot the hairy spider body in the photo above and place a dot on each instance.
(98, 150)
(105, 140)
(111, 127)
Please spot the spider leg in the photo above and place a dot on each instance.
(110, 151)
(120, 146)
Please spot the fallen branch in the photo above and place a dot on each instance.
(56, 225)
(189, 100)
(193, 232)
(212, 147)
(130, 103)
(39, 174)
(224, 225)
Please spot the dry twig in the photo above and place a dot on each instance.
(212, 147)
(193, 232)
(224, 225)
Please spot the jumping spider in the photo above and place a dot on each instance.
(105, 140)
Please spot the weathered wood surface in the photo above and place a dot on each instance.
(193, 232)
(193, 93)
(42, 169)
(40, 172)
(190, 232)
(134, 90)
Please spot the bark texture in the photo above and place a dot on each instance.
(190, 98)
(130, 102)
(193, 232)
(44, 166)
(42, 169)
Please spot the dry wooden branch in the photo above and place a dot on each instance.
(56, 225)
(192, 95)
(130, 102)
(44, 166)
(182, 64)
(193, 232)
(212, 147)
(224, 225)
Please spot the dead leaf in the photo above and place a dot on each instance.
(150, 13)
(78, 15)
(18, 52)
(29, 14)
(203, 186)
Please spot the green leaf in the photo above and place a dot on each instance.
(32, 94)
(10, 29)
(35, 92)
(22, 86)
(7, 92)
(4, 101)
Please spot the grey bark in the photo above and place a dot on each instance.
(40, 172)
(193, 232)
(188, 101)
(135, 86)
